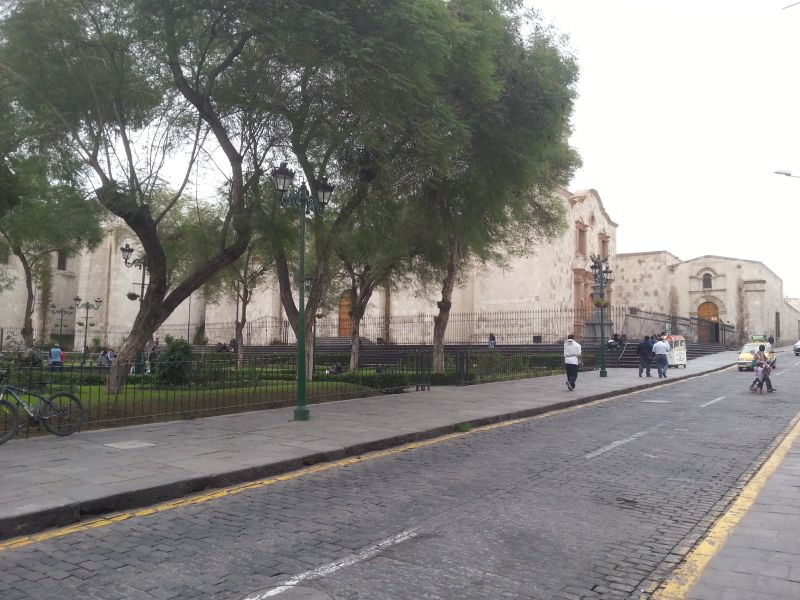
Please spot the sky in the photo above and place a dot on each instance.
(686, 109)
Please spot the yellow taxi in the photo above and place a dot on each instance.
(748, 351)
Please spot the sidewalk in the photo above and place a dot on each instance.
(49, 481)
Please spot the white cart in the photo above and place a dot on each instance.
(677, 350)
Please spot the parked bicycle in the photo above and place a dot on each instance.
(61, 413)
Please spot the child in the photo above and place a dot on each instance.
(761, 374)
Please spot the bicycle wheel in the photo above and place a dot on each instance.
(9, 421)
(61, 413)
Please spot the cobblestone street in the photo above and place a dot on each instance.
(597, 501)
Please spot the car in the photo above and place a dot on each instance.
(747, 352)
(797, 348)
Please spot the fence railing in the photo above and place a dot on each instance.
(522, 327)
(215, 384)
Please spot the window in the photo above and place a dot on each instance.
(707, 281)
(580, 241)
(603, 243)
(61, 259)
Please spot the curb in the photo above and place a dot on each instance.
(67, 514)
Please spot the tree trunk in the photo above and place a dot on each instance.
(290, 307)
(387, 314)
(440, 321)
(45, 297)
(27, 319)
(356, 313)
(239, 328)
(141, 333)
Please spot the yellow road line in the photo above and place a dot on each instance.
(232, 490)
(686, 576)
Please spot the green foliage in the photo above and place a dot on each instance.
(463, 427)
(174, 366)
(390, 382)
(9, 187)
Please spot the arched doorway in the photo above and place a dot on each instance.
(708, 323)
(345, 328)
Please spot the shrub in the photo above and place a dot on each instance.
(394, 382)
(173, 366)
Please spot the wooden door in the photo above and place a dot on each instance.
(345, 328)
(707, 323)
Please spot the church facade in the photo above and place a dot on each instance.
(739, 292)
(554, 276)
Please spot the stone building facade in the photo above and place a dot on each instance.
(552, 276)
(740, 292)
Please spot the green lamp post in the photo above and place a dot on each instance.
(139, 263)
(602, 277)
(305, 203)
(61, 312)
(87, 306)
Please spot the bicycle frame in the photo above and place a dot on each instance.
(17, 393)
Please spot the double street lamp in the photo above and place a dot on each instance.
(602, 277)
(306, 204)
(61, 312)
(87, 306)
(140, 263)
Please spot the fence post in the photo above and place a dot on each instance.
(461, 366)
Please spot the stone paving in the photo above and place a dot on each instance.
(49, 481)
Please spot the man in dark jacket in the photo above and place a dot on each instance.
(645, 352)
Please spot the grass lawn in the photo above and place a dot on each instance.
(146, 403)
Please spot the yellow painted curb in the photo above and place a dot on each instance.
(686, 576)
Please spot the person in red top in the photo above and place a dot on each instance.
(761, 355)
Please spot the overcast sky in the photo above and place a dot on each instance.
(686, 109)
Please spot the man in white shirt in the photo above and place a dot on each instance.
(660, 349)
(572, 360)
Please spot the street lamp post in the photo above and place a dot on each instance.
(60, 311)
(87, 306)
(140, 263)
(305, 203)
(602, 277)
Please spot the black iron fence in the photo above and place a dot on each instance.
(215, 384)
(522, 327)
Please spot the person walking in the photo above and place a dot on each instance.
(644, 351)
(572, 360)
(492, 341)
(660, 349)
(761, 356)
(761, 375)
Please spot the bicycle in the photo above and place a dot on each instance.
(61, 413)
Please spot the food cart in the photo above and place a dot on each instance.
(677, 350)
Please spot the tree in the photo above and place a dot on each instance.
(49, 217)
(123, 85)
(239, 280)
(514, 97)
(377, 250)
(359, 99)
